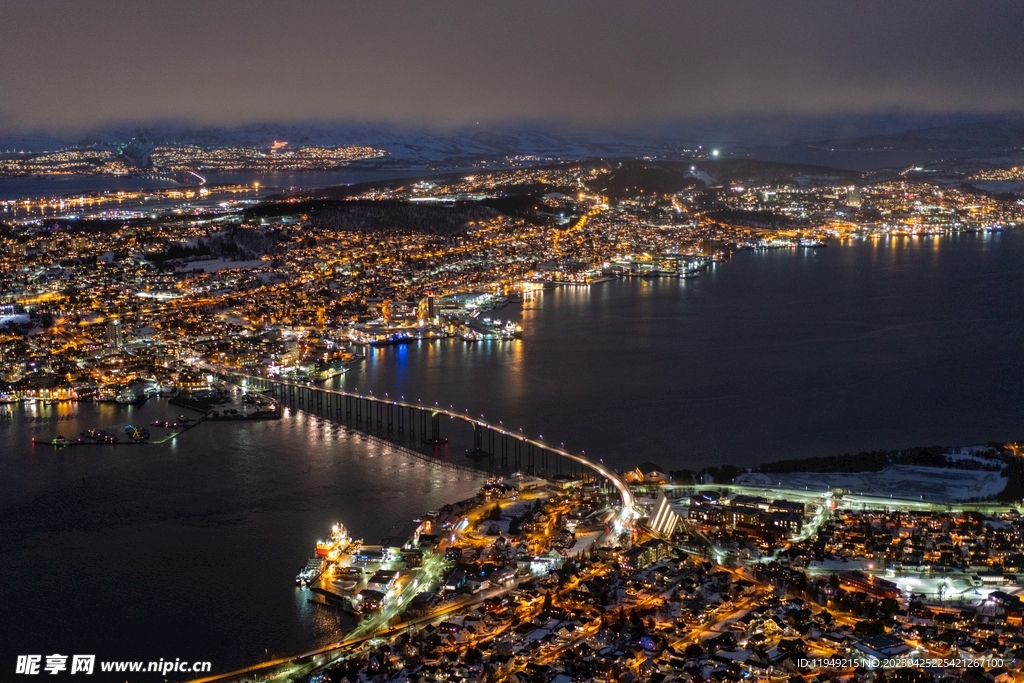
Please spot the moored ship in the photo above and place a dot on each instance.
(338, 547)
(308, 574)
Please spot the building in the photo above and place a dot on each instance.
(883, 646)
(370, 600)
(706, 512)
(1011, 607)
(750, 501)
(743, 515)
(859, 582)
(645, 554)
(456, 580)
(751, 513)
(383, 580)
(788, 522)
(524, 483)
(780, 505)
(115, 333)
(664, 521)
(647, 473)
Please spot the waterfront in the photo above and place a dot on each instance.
(777, 353)
(123, 549)
(58, 186)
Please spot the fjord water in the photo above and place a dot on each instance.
(779, 353)
(190, 550)
(187, 550)
(60, 186)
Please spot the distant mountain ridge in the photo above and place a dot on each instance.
(993, 135)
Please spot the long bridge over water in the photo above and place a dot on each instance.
(404, 424)
(396, 421)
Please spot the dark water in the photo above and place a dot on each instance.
(853, 159)
(190, 550)
(781, 353)
(187, 550)
(57, 186)
(305, 180)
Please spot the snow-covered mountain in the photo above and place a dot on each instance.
(412, 147)
(406, 146)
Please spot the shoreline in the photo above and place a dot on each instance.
(989, 473)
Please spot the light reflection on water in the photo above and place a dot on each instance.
(124, 551)
(187, 551)
(890, 342)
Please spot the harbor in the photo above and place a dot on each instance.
(465, 567)
(232, 405)
(570, 342)
(133, 435)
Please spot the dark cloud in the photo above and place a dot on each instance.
(450, 63)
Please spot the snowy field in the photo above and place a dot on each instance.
(955, 588)
(213, 265)
(936, 484)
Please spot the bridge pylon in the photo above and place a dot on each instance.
(478, 450)
(435, 431)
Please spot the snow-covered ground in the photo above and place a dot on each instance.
(1000, 185)
(936, 484)
(213, 265)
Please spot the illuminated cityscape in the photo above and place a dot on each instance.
(291, 295)
(734, 576)
(284, 287)
(166, 158)
(121, 296)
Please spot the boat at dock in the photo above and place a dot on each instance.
(394, 339)
(313, 569)
(808, 243)
(136, 433)
(338, 547)
(272, 413)
(97, 436)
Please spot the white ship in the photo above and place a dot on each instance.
(314, 568)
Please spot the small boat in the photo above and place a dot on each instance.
(314, 567)
(136, 433)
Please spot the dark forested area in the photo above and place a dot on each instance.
(372, 216)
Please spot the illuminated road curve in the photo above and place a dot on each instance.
(626, 496)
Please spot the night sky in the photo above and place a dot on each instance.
(74, 65)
